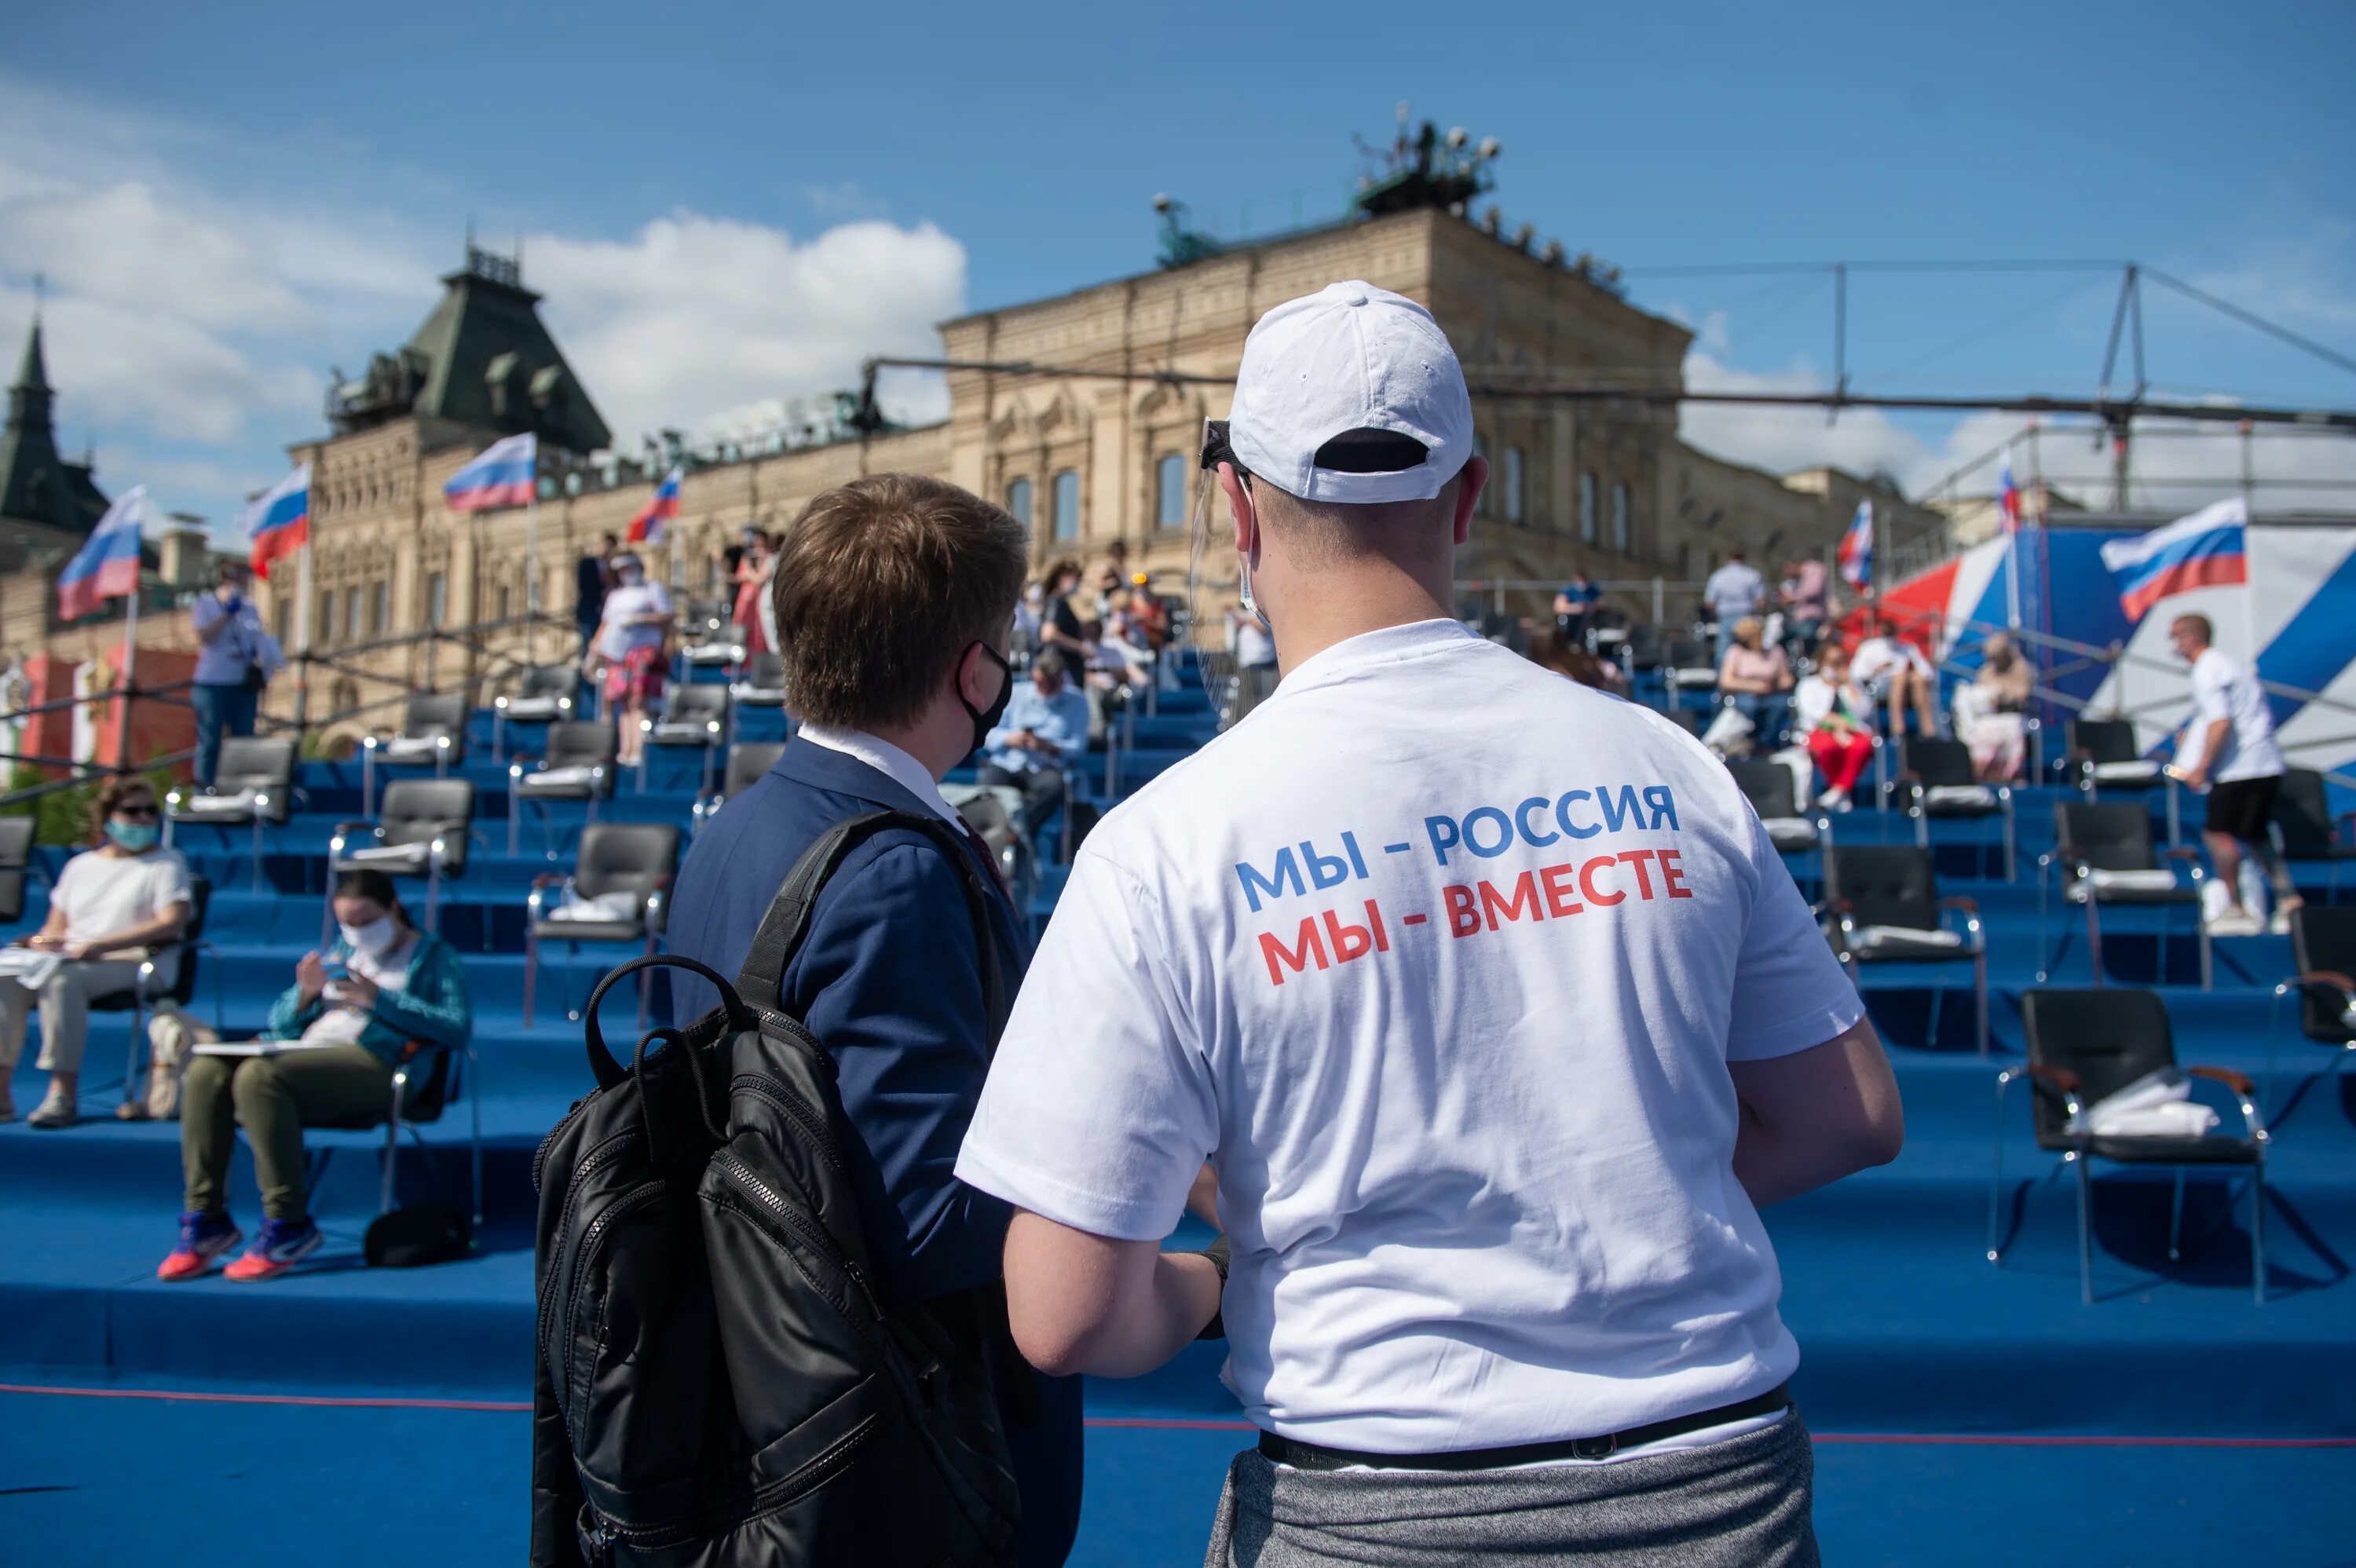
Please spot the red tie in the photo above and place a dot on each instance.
(981, 848)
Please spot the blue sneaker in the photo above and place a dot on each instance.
(203, 1238)
(283, 1244)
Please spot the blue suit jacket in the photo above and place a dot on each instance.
(889, 980)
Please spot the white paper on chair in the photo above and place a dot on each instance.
(1876, 935)
(2159, 1105)
(1959, 795)
(260, 1047)
(28, 967)
(2157, 880)
(403, 853)
(2123, 772)
(622, 905)
(413, 746)
(576, 775)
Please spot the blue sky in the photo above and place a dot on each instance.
(730, 204)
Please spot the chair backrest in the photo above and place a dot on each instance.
(579, 743)
(1692, 721)
(418, 810)
(1686, 654)
(747, 761)
(2303, 812)
(731, 633)
(1766, 786)
(2112, 834)
(2105, 740)
(1938, 763)
(2109, 1037)
(704, 613)
(695, 703)
(1645, 640)
(2323, 936)
(16, 854)
(1884, 884)
(200, 903)
(766, 672)
(626, 856)
(248, 761)
(435, 713)
(549, 681)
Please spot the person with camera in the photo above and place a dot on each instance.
(381, 992)
(894, 598)
(235, 659)
(1495, 1013)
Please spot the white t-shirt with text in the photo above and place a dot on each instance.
(2223, 689)
(1440, 959)
(617, 637)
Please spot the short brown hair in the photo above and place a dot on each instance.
(112, 794)
(2208, 630)
(882, 583)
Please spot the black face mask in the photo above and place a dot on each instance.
(985, 722)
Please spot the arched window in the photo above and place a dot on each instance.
(1170, 481)
(1514, 484)
(1587, 507)
(1067, 520)
(380, 610)
(1018, 501)
(1620, 524)
(351, 614)
(437, 599)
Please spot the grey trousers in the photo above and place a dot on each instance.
(1741, 1503)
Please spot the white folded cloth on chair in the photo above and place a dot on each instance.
(28, 967)
(1790, 832)
(621, 905)
(2158, 1104)
(533, 708)
(2127, 772)
(1878, 935)
(401, 748)
(238, 805)
(388, 853)
(574, 775)
(1959, 795)
(2159, 879)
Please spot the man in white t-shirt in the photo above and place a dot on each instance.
(2228, 748)
(1491, 1006)
(1898, 676)
(1734, 590)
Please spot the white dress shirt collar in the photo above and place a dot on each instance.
(888, 760)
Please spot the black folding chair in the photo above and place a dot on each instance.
(1935, 779)
(545, 695)
(723, 646)
(1688, 668)
(747, 761)
(578, 767)
(762, 683)
(2106, 851)
(16, 864)
(2104, 756)
(253, 785)
(1773, 794)
(433, 734)
(692, 715)
(426, 1080)
(2085, 1045)
(1882, 906)
(424, 831)
(628, 863)
(2303, 827)
(180, 954)
(2323, 946)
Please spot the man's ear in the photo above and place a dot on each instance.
(1239, 506)
(1469, 484)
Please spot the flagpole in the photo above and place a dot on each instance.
(2249, 562)
(302, 638)
(130, 675)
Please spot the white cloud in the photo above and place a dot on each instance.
(1780, 439)
(709, 324)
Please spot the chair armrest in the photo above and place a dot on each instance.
(1959, 901)
(2241, 1083)
(2060, 1078)
(2182, 852)
(2331, 979)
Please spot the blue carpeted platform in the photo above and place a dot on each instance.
(1915, 1348)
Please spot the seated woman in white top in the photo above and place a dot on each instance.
(111, 907)
(1838, 720)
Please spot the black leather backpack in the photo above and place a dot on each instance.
(717, 1383)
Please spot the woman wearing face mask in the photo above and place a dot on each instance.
(110, 906)
(352, 1014)
(752, 581)
(633, 640)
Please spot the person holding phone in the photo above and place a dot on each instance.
(335, 1036)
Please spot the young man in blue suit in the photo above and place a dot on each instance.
(895, 597)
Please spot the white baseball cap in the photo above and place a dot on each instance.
(1350, 358)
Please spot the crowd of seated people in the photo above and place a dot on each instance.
(112, 908)
(380, 992)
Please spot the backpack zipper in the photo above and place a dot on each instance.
(797, 1112)
(589, 1163)
(768, 1499)
(598, 1229)
(743, 1176)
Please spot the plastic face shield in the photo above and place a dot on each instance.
(1214, 574)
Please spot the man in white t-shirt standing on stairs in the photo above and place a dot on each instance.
(1494, 1012)
(2228, 748)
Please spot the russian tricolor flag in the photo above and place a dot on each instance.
(649, 526)
(278, 521)
(108, 565)
(2203, 550)
(1855, 552)
(505, 474)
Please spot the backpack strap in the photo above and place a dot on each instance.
(786, 926)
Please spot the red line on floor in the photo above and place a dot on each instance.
(1180, 1424)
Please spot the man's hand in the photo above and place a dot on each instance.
(2196, 776)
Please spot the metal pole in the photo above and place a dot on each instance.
(532, 567)
(129, 680)
(302, 643)
(1658, 606)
